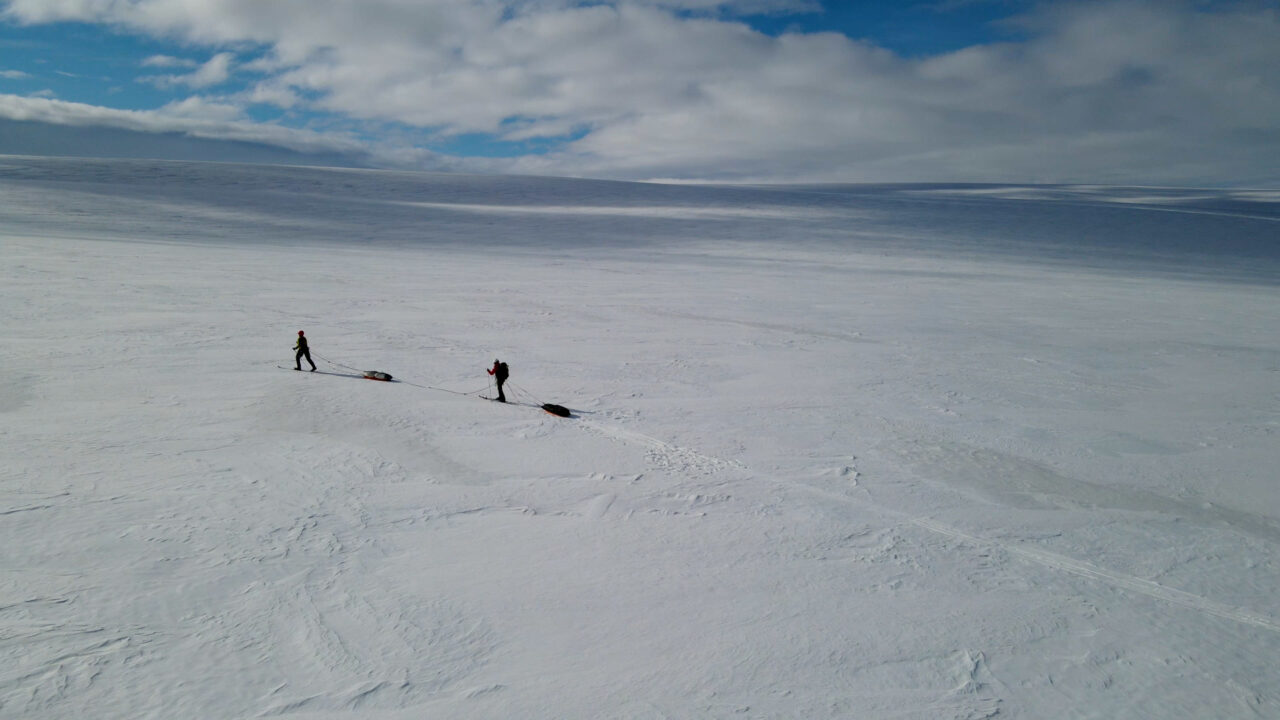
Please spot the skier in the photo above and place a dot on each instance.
(303, 352)
(499, 372)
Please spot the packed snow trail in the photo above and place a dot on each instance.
(1093, 572)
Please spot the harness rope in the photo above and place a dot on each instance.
(406, 382)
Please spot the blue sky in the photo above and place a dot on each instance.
(1133, 91)
(913, 29)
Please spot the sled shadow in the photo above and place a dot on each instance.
(342, 375)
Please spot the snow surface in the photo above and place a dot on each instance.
(837, 452)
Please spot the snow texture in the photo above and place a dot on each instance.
(837, 451)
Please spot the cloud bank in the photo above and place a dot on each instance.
(1123, 91)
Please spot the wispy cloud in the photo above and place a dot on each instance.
(214, 72)
(14, 75)
(168, 61)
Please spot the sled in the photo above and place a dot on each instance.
(560, 410)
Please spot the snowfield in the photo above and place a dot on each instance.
(897, 451)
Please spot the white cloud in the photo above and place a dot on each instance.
(214, 72)
(1127, 89)
(272, 93)
(202, 109)
(193, 117)
(168, 61)
(14, 75)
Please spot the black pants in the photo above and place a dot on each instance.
(297, 359)
(501, 397)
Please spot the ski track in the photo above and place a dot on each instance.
(990, 475)
(666, 456)
(1088, 570)
(689, 463)
(1080, 568)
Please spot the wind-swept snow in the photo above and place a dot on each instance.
(842, 451)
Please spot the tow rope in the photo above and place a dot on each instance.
(557, 410)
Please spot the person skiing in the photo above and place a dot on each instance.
(499, 373)
(303, 352)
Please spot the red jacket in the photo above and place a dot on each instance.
(499, 369)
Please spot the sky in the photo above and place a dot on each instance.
(1175, 92)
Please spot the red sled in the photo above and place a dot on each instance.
(376, 375)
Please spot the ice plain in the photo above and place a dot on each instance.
(898, 451)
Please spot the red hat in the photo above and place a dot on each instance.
(299, 332)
